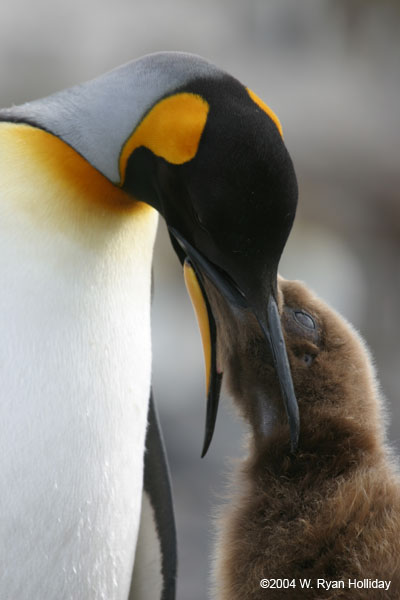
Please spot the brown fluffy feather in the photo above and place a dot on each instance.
(331, 511)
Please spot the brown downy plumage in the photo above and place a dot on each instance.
(332, 511)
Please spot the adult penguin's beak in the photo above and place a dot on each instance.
(197, 272)
(272, 330)
(208, 332)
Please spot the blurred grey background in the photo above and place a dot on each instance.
(330, 70)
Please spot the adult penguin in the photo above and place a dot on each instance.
(81, 173)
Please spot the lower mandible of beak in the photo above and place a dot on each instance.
(208, 332)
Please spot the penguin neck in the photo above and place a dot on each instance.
(75, 367)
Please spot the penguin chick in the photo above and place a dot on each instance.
(330, 512)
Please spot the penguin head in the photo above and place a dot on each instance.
(229, 209)
(233, 197)
(226, 186)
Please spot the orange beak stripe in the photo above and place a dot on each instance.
(200, 309)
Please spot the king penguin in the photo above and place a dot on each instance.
(83, 174)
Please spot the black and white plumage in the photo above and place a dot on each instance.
(81, 173)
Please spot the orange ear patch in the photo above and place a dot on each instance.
(267, 110)
(171, 129)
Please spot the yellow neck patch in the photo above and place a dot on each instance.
(266, 109)
(55, 188)
(40, 153)
(172, 130)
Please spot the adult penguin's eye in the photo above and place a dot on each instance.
(304, 319)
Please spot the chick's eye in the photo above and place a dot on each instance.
(308, 359)
(304, 319)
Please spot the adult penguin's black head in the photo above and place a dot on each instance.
(229, 210)
(174, 131)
